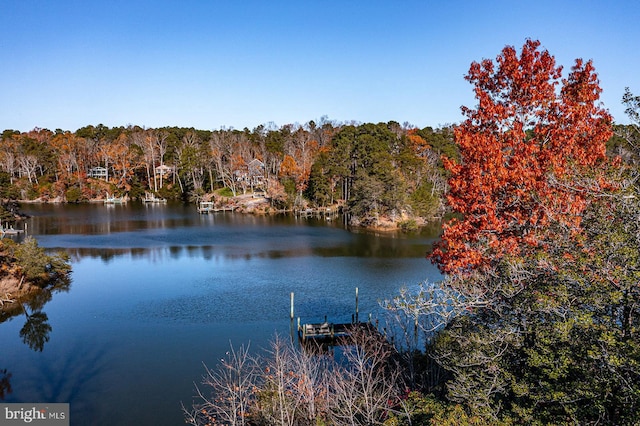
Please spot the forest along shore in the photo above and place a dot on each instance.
(383, 175)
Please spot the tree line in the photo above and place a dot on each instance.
(373, 170)
(537, 319)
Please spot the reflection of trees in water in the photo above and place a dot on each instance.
(34, 300)
(35, 331)
(76, 376)
(5, 383)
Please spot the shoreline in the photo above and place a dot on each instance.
(247, 204)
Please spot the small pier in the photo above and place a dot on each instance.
(320, 212)
(323, 331)
(151, 198)
(7, 229)
(328, 333)
(114, 200)
(206, 207)
(10, 231)
(331, 334)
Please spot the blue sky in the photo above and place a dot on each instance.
(232, 63)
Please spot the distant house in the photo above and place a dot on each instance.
(99, 173)
(256, 172)
(163, 170)
(251, 175)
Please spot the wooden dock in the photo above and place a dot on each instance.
(206, 207)
(323, 331)
(332, 334)
(150, 198)
(10, 231)
(114, 200)
(320, 212)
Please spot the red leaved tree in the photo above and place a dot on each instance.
(522, 145)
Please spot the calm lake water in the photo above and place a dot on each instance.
(158, 290)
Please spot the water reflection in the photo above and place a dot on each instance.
(35, 331)
(5, 383)
(73, 377)
(366, 247)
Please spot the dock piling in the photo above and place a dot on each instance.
(357, 305)
(291, 326)
(291, 306)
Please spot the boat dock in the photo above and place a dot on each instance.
(114, 200)
(206, 207)
(10, 231)
(320, 212)
(323, 331)
(151, 198)
(329, 333)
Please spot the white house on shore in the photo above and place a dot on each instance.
(99, 173)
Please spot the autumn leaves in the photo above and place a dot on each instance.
(522, 149)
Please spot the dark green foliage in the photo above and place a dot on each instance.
(137, 189)
(374, 169)
(99, 132)
(7, 189)
(424, 200)
(321, 189)
(290, 189)
(427, 410)
(37, 266)
(275, 141)
(8, 133)
(74, 195)
(441, 141)
(408, 225)
(225, 192)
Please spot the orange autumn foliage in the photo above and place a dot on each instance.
(289, 167)
(520, 149)
(417, 143)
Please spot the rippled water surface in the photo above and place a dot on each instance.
(158, 290)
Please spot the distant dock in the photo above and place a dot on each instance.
(150, 198)
(114, 200)
(206, 207)
(320, 212)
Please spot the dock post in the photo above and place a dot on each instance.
(291, 325)
(292, 306)
(356, 305)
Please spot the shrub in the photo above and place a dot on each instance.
(73, 195)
